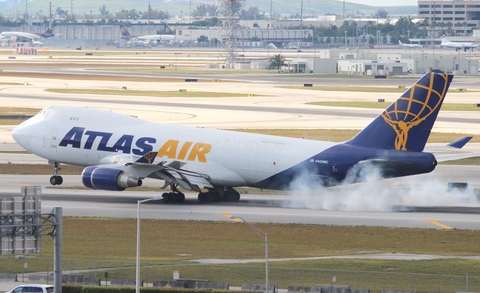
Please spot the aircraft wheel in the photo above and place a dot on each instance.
(236, 196)
(202, 197)
(180, 197)
(56, 180)
(210, 197)
(166, 197)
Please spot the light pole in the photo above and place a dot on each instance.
(264, 237)
(137, 267)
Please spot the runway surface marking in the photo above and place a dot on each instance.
(229, 216)
(436, 223)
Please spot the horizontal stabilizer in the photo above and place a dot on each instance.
(460, 143)
(453, 157)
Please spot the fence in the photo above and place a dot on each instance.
(123, 272)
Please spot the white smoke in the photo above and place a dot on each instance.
(376, 194)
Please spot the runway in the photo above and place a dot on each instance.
(415, 202)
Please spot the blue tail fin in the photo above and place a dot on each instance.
(407, 123)
(124, 32)
(167, 30)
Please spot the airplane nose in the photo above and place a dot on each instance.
(21, 135)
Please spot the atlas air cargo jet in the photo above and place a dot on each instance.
(167, 37)
(120, 151)
(29, 37)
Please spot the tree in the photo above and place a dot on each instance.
(213, 21)
(202, 40)
(252, 13)
(127, 14)
(103, 10)
(205, 10)
(381, 13)
(276, 61)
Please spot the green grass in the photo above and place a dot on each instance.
(338, 135)
(11, 83)
(109, 243)
(179, 94)
(364, 89)
(18, 111)
(384, 105)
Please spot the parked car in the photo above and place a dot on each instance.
(32, 288)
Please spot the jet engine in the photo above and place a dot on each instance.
(108, 179)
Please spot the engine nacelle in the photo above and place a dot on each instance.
(108, 179)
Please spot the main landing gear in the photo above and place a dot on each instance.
(56, 179)
(219, 194)
(174, 196)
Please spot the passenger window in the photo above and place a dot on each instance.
(37, 290)
(49, 289)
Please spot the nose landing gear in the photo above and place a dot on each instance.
(56, 179)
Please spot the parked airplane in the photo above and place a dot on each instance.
(410, 45)
(120, 151)
(457, 45)
(169, 36)
(34, 43)
(28, 37)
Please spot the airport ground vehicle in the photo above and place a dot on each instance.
(32, 288)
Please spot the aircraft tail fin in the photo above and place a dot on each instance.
(49, 31)
(124, 32)
(407, 123)
(444, 40)
(167, 30)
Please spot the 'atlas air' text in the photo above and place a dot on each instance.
(172, 149)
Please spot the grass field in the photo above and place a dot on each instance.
(179, 94)
(366, 89)
(164, 243)
(384, 105)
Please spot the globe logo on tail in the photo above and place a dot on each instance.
(410, 110)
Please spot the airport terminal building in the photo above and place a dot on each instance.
(462, 16)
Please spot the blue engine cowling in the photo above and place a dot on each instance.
(108, 179)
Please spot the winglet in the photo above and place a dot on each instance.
(148, 158)
(460, 143)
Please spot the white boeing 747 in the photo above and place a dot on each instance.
(120, 151)
(458, 45)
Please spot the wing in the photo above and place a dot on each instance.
(170, 171)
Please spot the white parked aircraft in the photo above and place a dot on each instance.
(457, 45)
(167, 37)
(120, 151)
(410, 45)
(28, 37)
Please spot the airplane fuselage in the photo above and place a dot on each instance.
(77, 136)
